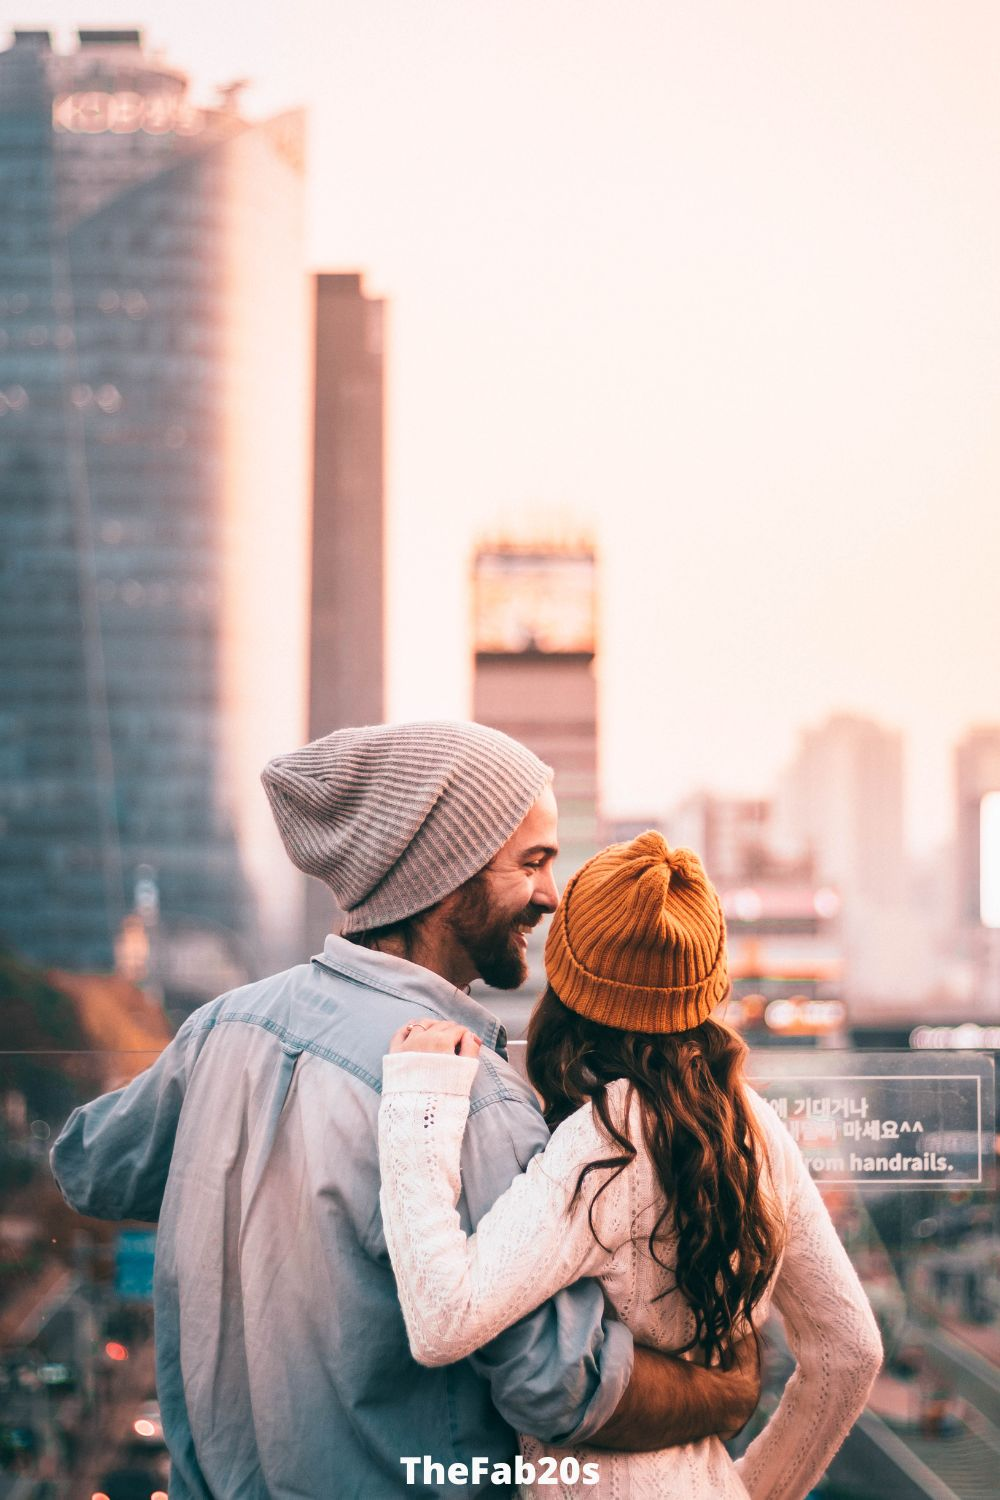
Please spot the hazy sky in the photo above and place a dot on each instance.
(719, 279)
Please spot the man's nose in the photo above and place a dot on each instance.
(546, 892)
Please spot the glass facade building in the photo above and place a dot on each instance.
(153, 474)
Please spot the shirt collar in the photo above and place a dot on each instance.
(409, 981)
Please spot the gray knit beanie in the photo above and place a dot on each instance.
(394, 817)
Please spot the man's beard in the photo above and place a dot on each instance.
(489, 938)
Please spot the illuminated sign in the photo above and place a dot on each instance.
(124, 113)
(989, 860)
(541, 600)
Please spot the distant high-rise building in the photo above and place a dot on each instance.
(347, 616)
(977, 771)
(154, 470)
(534, 678)
(733, 837)
(841, 804)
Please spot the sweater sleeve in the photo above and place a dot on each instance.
(458, 1292)
(834, 1339)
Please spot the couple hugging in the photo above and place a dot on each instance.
(379, 1258)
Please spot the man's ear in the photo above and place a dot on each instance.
(434, 916)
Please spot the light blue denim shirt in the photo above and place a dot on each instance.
(282, 1362)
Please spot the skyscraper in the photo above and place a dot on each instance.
(534, 671)
(732, 835)
(841, 807)
(153, 390)
(347, 615)
(841, 804)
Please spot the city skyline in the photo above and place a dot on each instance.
(719, 285)
(636, 396)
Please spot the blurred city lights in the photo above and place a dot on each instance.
(827, 902)
(747, 905)
(969, 1037)
(800, 1016)
(117, 1352)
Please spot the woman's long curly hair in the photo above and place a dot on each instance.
(705, 1148)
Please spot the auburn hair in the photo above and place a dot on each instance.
(705, 1147)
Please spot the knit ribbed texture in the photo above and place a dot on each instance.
(394, 817)
(639, 939)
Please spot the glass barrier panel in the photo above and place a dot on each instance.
(902, 1146)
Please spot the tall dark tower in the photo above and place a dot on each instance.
(347, 617)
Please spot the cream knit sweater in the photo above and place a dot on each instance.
(458, 1292)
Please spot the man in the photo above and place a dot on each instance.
(283, 1368)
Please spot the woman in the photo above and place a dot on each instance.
(666, 1177)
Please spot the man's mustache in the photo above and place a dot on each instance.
(529, 917)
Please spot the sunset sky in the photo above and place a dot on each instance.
(717, 280)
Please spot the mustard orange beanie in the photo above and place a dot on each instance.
(638, 940)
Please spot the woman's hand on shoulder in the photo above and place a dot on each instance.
(436, 1036)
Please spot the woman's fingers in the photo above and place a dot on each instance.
(399, 1037)
(470, 1043)
(436, 1036)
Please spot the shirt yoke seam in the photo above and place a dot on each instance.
(498, 1094)
(303, 1044)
